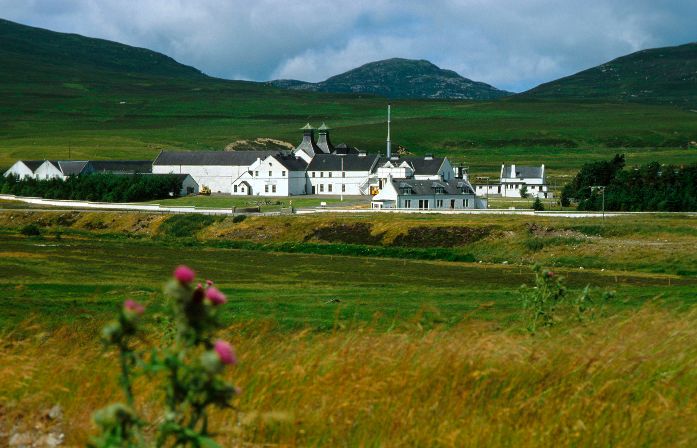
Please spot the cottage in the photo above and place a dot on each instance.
(276, 175)
(61, 169)
(513, 178)
(421, 194)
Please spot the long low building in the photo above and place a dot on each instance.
(453, 194)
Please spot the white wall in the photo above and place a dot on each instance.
(462, 201)
(48, 171)
(217, 178)
(351, 180)
(20, 170)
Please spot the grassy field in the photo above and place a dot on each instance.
(356, 350)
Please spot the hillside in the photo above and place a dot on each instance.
(27, 49)
(400, 78)
(661, 75)
(94, 99)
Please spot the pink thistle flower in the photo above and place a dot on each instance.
(133, 306)
(225, 352)
(184, 274)
(550, 274)
(216, 296)
(209, 283)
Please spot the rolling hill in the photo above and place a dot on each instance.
(400, 78)
(64, 94)
(661, 75)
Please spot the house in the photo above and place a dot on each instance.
(61, 169)
(217, 170)
(278, 174)
(512, 180)
(24, 168)
(423, 194)
(333, 174)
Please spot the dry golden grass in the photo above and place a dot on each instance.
(626, 380)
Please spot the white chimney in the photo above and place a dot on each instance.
(389, 149)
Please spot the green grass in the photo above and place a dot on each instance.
(266, 203)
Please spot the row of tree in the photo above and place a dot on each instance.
(651, 187)
(96, 187)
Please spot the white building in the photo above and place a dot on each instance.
(332, 174)
(61, 169)
(24, 168)
(421, 194)
(275, 175)
(512, 180)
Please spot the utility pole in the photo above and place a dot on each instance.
(343, 179)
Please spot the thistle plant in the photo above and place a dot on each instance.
(541, 301)
(189, 365)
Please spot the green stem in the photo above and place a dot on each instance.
(125, 379)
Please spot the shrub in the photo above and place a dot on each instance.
(238, 218)
(190, 367)
(537, 205)
(534, 244)
(185, 225)
(30, 230)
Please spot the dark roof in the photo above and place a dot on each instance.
(291, 162)
(427, 187)
(121, 166)
(333, 162)
(32, 164)
(71, 167)
(522, 171)
(343, 148)
(308, 144)
(422, 165)
(222, 158)
(324, 143)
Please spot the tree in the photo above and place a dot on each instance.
(524, 191)
(538, 206)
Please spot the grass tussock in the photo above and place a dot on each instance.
(626, 380)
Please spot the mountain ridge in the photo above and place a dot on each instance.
(399, 78)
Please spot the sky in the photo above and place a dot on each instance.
(511, 44)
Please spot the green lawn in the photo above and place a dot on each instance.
(266, 203)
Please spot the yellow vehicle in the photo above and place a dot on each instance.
(206, 191)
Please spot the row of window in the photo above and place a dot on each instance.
(330, 188)
(256, 174)
(424, 203)
(329, 174)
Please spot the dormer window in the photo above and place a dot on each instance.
(440, 190)
(406, 191)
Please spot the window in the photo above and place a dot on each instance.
(343, 174)
(343, 188)
(313, 174)
(321, 174)
(407, 203)
(452, 203)
(321, 188)
(266, 188)
(466, 203)
(235, 188)
(329, 188)
(283, 174)
(406, 191)
(330, 174)
(270, 173)
(440, 190)
(273, 188)
(439, 203)
(423, 204)
(256, 174)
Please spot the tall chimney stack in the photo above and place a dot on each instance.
(389, 149)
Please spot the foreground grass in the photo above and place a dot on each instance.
(622, 380)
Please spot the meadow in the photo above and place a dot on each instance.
(341, 347)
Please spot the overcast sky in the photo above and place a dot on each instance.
(512, 44)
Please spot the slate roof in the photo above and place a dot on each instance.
(522, 171)
(219, 158)
(428, 187)
(121, 166)
(71, 167)
(308, 144)
(32, 164)
(343, 148)
(292, 163)
(324, 143)
(351, 162)
(421, 165)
